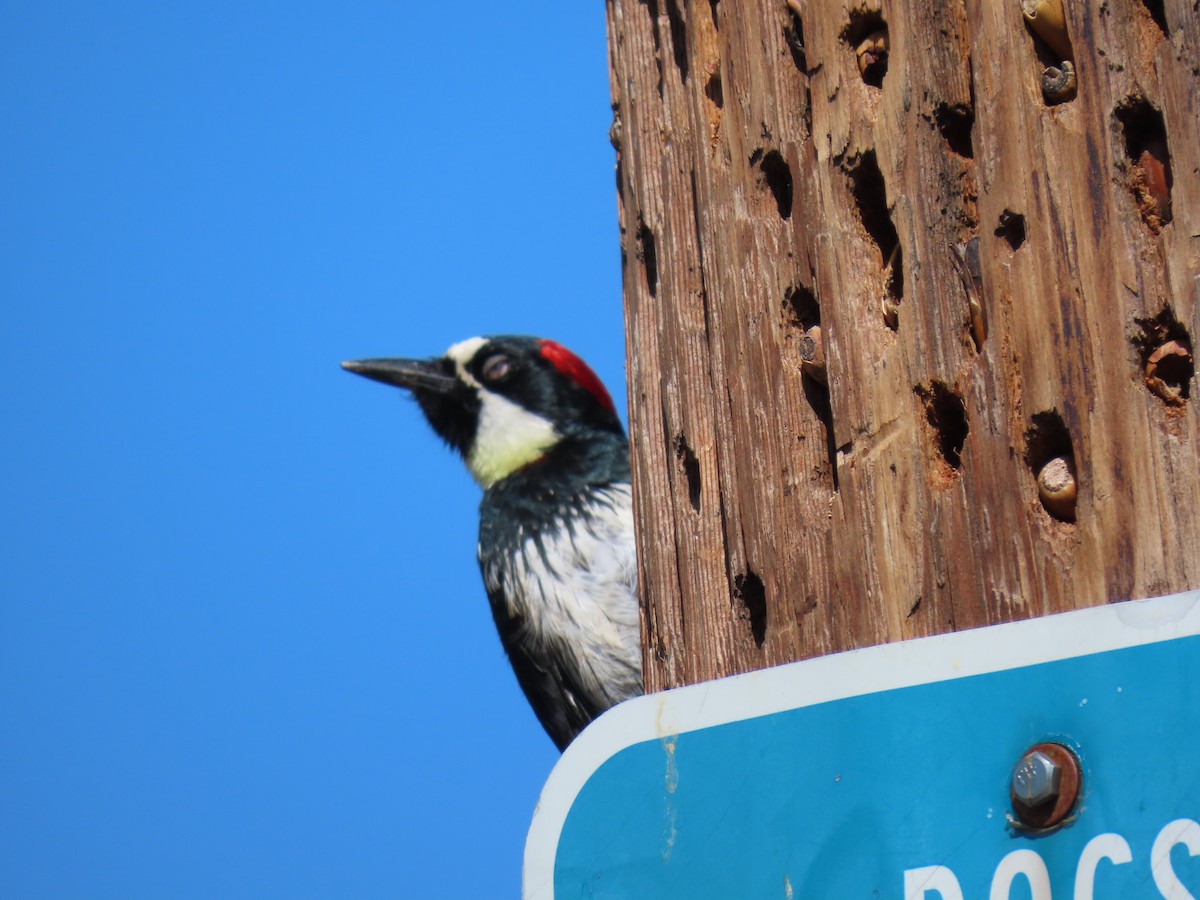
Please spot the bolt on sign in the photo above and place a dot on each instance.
(1052, 759)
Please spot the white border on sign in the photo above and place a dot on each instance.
(943, 657)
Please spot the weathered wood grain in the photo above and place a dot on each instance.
(991, 272)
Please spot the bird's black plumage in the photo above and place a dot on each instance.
(564, 493)
(556, 552)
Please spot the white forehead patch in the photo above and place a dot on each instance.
(462, 353)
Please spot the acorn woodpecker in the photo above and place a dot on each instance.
(540, 434)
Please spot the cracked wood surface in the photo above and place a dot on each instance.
(991, 270)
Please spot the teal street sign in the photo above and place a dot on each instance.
(885, 773)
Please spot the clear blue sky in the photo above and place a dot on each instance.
(244, 650)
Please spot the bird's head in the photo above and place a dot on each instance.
(502, 402)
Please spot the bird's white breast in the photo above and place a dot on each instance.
(576, 591)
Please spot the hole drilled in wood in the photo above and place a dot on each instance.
(1147, 160)
(891, 313)
(713, 90)
(793, 35)
(776, 176)
(870, 196)
(678, 38)
(895, 274)
(946, 414)
(970, 273)
(801, 307)
(615, 135)
(652, 9)
(691, 469)
(1165, 354)
(1011, 227)
(714, 93)
(748, 589)
(968, 252)
(648, 254)
(802, 311)
(1172, 367)
(1050, 455)
(817, 395)
(1051, 41)
(1155, 8)
(1047, 27)
(866, 34)
(954, 123)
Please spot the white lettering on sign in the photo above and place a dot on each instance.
(940, 882)
(1021, 862)
(1110, 846)
(919, 882)
(1181, 831)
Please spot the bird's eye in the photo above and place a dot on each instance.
(496, 368)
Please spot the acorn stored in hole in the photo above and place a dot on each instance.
(1048, 21)
(1150, 179)
(978, 321)
(872, 55)
(1059, 82)
(1057, 488)
(812, 354)
(966, 261)
(891, 313)
(1168, 370)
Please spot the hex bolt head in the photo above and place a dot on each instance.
(1044, 785)
(1036, 778)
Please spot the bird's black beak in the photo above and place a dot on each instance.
(413, 374)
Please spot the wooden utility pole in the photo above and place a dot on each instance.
(990, 233)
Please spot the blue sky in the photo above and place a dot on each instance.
(244, 650)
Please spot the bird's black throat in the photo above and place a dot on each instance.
(558, 487)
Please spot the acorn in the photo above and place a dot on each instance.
(1151, 184)
(1168, 370)
(1059, 82)
(1057, 488)
(872, 55)
(978, 322)
(891, 313)
(1049, 22)
(812, 354)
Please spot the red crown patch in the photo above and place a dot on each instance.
(577, 370)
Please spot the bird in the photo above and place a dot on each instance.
(539, 432)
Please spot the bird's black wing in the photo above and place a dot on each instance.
(562, 705)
